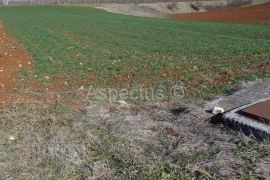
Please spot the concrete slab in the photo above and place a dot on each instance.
(250, 94)
(248, 126)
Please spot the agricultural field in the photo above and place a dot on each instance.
(95, 47)
(51, 55)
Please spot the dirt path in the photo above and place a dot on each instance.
(253, 14)
(12, 58)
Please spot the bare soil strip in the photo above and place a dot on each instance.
(13, 89)
(253, 14)
(12, 58)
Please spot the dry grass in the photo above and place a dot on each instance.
(160, 140)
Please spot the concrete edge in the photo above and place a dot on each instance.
(244, 124)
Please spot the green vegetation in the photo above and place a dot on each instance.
(119, 50)
(53, 137)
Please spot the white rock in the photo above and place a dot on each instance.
(217, 110)
(12, 138)
(81, 88)
(106, 116)
(122, 103)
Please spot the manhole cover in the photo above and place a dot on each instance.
(259, 112)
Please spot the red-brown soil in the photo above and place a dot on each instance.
(12, 58)
(252, 14)
(14, 89)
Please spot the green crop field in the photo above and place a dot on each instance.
(123, 50)
(52, 128)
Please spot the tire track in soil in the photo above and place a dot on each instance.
(12, 58)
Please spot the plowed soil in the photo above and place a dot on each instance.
(253, 14)
(12, 58)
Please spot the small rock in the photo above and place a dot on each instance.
(106, 116)
(81, 88)
(217, 110)
(12, 138)
(122, 103)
